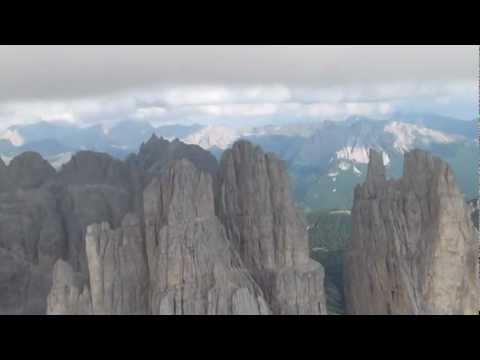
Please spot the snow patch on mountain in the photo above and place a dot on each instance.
(408, 135)
(357, 154)
(13, 136)
(213, 135)
(386, 158)
(121, 147)
(6, 159)
(55, 160)
(344, 166)
(340, 212)
(58, 160)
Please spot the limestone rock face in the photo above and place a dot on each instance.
(375, 173)
(31, 240)
(93, 188)
(31, 234)
(69, 294)
(44, 216)
(156, 234)
(26, 171)
(184, 264)
(193, 267)
(157, 153)
(29, 170)
(4, 179)
(92, 168)
(254, 203)
(117, 281)
(40, 226)
(80, 206)
(23, 286)
(413, 248)
(117, 268)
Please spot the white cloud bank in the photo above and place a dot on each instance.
(233, 84)
(221, 104)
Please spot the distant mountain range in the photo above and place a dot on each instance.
(325, 159)
(56, 140)
(327, 165)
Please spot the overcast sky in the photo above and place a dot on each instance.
(91, 84)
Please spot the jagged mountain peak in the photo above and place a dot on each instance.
(187, 190)
(255, 205)
(413, 248)
(407, 136)
(376, 167)
(90, 167)
(157, 153)
(213, 135)
(29, 170)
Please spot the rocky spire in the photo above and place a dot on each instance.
(184, 265)
(254, 203)
(117, 267)
(376, 169)
(413, 248)
(193, 267)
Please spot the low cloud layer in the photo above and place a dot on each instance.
(78, 71)
(161, 84)
(240, 106)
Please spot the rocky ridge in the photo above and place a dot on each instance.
(44, 217)
(102, 236)
(184, 264)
